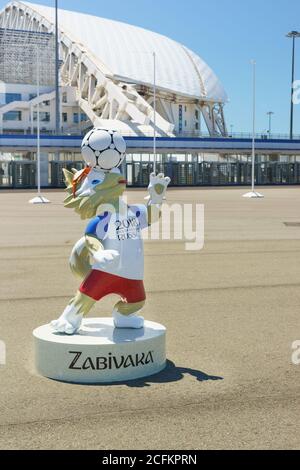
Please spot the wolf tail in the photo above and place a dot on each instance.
(80, 262)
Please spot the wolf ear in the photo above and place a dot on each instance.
(68, 177)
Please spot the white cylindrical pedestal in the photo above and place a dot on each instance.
(100, 353)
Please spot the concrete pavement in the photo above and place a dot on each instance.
(232, 314)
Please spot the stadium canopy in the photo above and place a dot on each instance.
(111, 65)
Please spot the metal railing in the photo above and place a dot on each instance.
(22, 174)
(187, 135)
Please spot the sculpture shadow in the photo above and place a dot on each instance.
(170, 374)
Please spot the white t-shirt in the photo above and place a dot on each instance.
(122, 231)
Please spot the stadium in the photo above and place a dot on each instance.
(162, 318)
(105, 74)
(121, 77)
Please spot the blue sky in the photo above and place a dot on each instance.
(227, 34)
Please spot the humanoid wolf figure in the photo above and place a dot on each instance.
(109, 258)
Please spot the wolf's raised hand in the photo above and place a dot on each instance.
(157, 188)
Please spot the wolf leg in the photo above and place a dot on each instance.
(70, 320)
(125, 315)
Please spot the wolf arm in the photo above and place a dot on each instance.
(93, 241)
(89, 250)
(157, 191)
(93, 244)
(94, 235)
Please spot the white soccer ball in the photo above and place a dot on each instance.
(103, 149)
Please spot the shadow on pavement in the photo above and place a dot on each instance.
(171, 373)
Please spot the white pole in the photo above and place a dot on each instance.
(39, 199)
(154, 107)
(253, 130)
(38, 124)
(253, 193)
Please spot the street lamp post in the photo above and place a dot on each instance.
(57, 104)
(154, 107)
(39, 199)
(253, 193)
(254, 116)
(270, 114)
(293, 35)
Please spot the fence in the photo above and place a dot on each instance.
(216, 174)
(22, 174)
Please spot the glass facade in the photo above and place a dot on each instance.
(44, 116)
(180, 118)
(6, 98)
(10, 97)
(83, 117)
(12, 116)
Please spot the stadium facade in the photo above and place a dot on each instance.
(106, 78)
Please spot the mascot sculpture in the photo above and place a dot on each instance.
(109, 257)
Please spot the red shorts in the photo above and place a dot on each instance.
(98, 284)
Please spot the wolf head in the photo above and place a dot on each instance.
(89, 188)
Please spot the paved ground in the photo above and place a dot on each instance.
(232, 313)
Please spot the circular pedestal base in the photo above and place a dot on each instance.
(100, 353)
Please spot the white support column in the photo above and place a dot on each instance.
(207, 118)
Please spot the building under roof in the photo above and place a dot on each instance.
(106, 76)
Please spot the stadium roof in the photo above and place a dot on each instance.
(126, 52)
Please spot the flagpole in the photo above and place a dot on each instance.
(253, 193)
(39, 199)
(154, 107)
(254, 125)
